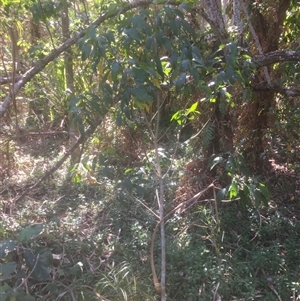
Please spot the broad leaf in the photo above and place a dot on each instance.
(6, 270)
(39, 264)
(32, 230)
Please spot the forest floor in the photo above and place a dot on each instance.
(100, 242)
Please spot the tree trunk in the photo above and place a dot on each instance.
(69, 78)
(267, 22)
(223, 135)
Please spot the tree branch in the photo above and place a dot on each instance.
(276, 57)
(40, 65)
(278, 89)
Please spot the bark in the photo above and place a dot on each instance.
(222, 140)
(265, 26)
(69, 78)
(274, 57)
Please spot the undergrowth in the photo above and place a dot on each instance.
(95, 239)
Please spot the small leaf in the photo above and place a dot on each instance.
(193, 108)
(141, 94)
(264, 190)
(77, 269)
(86, 50)
(217, 161)
(196, 52)
(222, 193)
(233, 190)
(185, 6)
(119, 120)
(155, 83)
(167, 44)
(114, 70)
(232, 162)
(159, 66)
(180, 81)
(133, 33)
(174, 60)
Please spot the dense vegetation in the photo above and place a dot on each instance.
(149, 150)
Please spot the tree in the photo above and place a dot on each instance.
(143, 58)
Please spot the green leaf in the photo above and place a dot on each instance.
(167, 44)
(140, 190)
(128, 184)
(258, 198)
(175, 26)
(139, 75)
(114, 70)
(91, 33)
(169, 12)
(245, 196)
(193, 108)
(232, 162)
(264, 190)
(233, 190)
(159, 66)
(174, 60)
(185, 6)
(30, 231)
(187, 27)
(141, 94)
(119, 120)
(180, 81)
(205, 89)
(113, 8)
(77, 269)
(110, 36)
(133, 33)
(196, 52)
(39, 264)
(107, 172)
(5, 291)
(222, 193)
(6, 270)
(139, 22)
(179, 13)
(195, 74)
(86, 50)
(159, 37)
(6, 246)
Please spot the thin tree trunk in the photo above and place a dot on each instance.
(69, 78)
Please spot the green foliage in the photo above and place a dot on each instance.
(243, 186)
(182, 116)
(121, 284)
